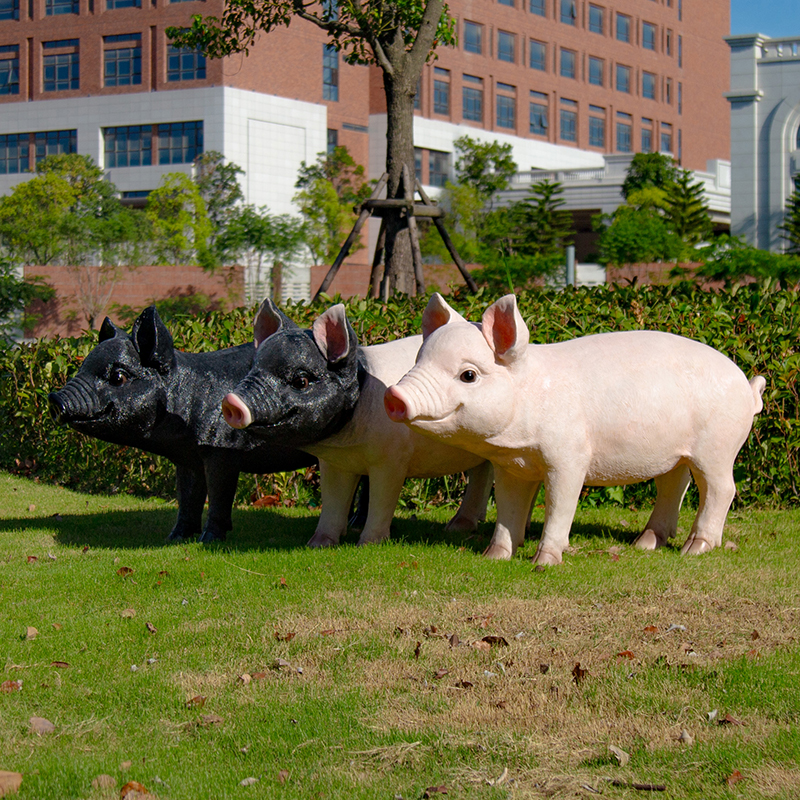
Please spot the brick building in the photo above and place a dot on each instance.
(563, 81)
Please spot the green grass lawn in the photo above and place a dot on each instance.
(336, 673)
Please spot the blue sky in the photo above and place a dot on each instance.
(775, 18)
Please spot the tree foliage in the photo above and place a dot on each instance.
(790, 227)
(541, 225)
(732, 260)
(649, 170)
(487, 167)
(218, 184)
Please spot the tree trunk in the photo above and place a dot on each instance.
(399, 269)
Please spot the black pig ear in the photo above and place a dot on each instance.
(108, 330)
(333, 334)
(269, 319)
(153, 341)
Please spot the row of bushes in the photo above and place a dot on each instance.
(757, 328)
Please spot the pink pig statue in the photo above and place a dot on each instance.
(602, 410)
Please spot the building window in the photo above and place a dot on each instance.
(568, 61)
(596, 20)
(111, 4)
(623, 79)
(61, 70)
(9, 9)
(568, 118)
(505, 46)
(569, 12)
(333, 140)
(418, 95)
(506, 106)
(597, 127)
(648, 36)
(669, 42)
(418, 163)
(14, 153)
(623, 28)
(441, 91)
(54, 143)
(506, 3)
(680, 97)
(473, 98)
(9, 69)
(55, 7)
(538, 114)
(647, 135)
(624, 132)
(680, 51)
(330, 73)
(596, 69)
(648, 85)
(473, 35)
(538, 7)
(185, 64)
(538, 55)
(128, 146)
(668, 91)
(438, 167)
(680, 10)
(179, 142)
(122, 60)
(666, 137)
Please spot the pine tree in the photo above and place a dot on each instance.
(541, 226)
(791, 223)
(686, 211)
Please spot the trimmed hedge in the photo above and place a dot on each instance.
(758, 329)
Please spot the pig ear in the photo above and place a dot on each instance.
(333, 334)
(505, 330)
(269, 319)
(108, 330)
(436, 314)
(153, 341)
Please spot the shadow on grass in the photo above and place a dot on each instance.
(267, 529)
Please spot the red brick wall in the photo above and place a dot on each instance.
(136, 287)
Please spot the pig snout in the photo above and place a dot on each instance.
(57, 408)
(396, 404)
(236, 412)
(76, 401)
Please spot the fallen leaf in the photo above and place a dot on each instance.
(755, 635)
(248, 781)
(57, 626)
(712, 715)
(259, 676)
(245, 678)
(431, 631)
(125, 766)
(578, 674)
(6, 687)
(686, 737)
(132, 790)
(59, 664)
(104, 782)
(40, 725)
(127, 613)
(32, 559)
(280, 663)
(267, 501)
(32, 507)
(284, 637)
(501, 704)
(500, 780)
(283, 776)
(432, 790)
(464, 684)
(210, 719)
(622, 757)
(329, 632)
(50, 555)
(734, 778)
(731, 545)
(283, 581)
(124, 572)
(163, 574)
(614, 556)
(440, 673)
(651, 629)
(85, 549)
(626, 654)
(544, 668)
(416, 649)
(495, 641)
(9, 782)
(729, 720)
(31, 633)
(198, 701)
(454, 640)
(150, 627)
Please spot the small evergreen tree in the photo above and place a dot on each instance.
(791, 223)
(540, 226)
(686, 211)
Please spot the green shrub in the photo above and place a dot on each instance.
(758, 329)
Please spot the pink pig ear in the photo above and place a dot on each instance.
(436, 314)
(504, 329)
(331, 332)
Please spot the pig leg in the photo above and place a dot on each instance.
(337, 489)
(562, 490)
(191, 490)
(222, 479)
(716, 491)
(473, 504)
(385, 485)
(514, 497)
(663, 522)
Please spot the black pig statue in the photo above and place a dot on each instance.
(137, 390)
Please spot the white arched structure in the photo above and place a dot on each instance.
(765, 134)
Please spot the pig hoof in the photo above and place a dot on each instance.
(461, 525)
(176, 537)
(545, 559)
(375, 538)
(212, 536)
(696, 546)
(649, 540)
(322, 540)
(498, 552)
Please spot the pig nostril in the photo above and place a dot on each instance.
(235, 412)
(395, 407)
(56, 406)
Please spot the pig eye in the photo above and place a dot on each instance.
(468, 376)
(299, 382)
(118, 377)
